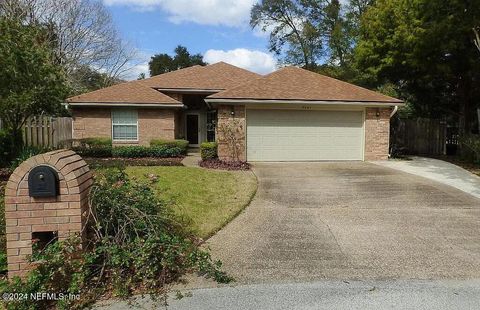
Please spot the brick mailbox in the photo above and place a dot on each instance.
(46, 199)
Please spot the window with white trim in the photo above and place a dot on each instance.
(124, 125)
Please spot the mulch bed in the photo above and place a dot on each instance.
(224, 165)
(115, 162)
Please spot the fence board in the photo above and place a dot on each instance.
(49, 132)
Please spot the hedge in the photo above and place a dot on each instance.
(145, 151)
(208, 150)
(102, 148)
(96, 141)
(182, 144)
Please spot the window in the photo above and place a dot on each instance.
(124, 125)
(211, 124)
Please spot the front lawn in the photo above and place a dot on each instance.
(209, 198)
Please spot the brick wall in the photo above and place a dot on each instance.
(155, 124)
(25, 215)
(91, 122)
(237, 120)
(96, 122)
(377, 133)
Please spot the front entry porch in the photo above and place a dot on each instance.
(197, 122)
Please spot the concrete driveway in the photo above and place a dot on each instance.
(312, 221)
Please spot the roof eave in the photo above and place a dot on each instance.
(124, 104)
(200, 91)
(312, 102)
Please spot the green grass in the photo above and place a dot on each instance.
(209, 199)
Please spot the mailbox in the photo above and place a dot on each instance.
(43, 182)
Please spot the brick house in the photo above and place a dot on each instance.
(289, 115)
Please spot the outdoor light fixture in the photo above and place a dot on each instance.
(378, 112)
(232, 112)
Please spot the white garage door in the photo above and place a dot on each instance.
(299, 135)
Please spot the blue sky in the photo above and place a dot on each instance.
(218, 29)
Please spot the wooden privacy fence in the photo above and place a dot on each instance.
(420, 136)
(45, 131)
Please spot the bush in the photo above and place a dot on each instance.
(25, 154)
(95, 151)
(182, 144)
(209, 150)
(136, 246)
(93, 147)
(472, 143)
(6, 148)
(144, 151)
(97, 141)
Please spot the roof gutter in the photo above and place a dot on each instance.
(313, 102)
(124, 104)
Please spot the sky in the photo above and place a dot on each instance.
(217, 29)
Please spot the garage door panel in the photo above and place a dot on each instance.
(292, 135)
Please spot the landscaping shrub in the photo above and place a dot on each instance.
(136, 246)
(95, 151)
(182, 144)
(97, 141)
(145, 151)
(25, 154)
(93, 147)
(95, 163)
(102, 148)
(472, 143)
(208, 150)
(6, 148)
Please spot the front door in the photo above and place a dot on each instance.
(192, 129)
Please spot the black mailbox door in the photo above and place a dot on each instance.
(43, 182)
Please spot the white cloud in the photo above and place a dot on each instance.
(134, 72)
(234, 13)
(255, 61)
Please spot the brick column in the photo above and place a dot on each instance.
(237, 122)
(64, 214)
(377, 133)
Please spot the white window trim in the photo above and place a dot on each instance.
(123, 140)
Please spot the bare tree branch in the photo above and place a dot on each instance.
(82, 33)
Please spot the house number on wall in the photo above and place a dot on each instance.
(306, 108)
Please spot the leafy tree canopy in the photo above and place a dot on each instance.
(310, 33)
(30, 81)
(162, 63)
(425, 47)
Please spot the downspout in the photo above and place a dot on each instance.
(395, 109)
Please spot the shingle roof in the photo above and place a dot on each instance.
(216, 76)
(128, 92)
(292, 83)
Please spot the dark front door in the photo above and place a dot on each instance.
(192, 128)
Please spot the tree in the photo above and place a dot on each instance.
(162, 63)
(81, 33)
(425, 48)
(317, 34)
(292, 34)
(88, 79)
(30, 81)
